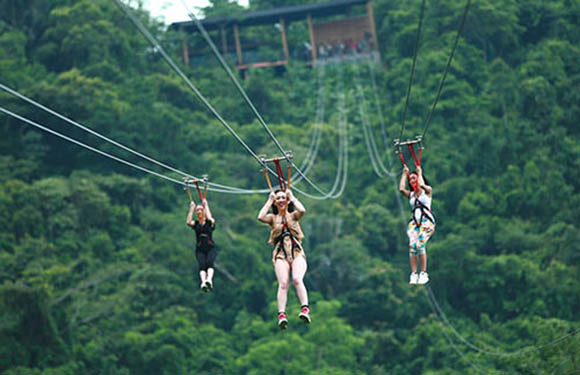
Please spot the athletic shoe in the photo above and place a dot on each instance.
(414, 278)
(423, 278)
(208, 285)
(305, 314)
(203, 287)
(282, 321)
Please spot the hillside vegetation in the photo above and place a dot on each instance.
(97, 266)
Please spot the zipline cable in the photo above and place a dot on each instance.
(451, 342)
(97, 134)
(48, 130)
(413, 67)
(174, 66)
(217, 187)
(120, 160)
(517, 352)
(226, 67)
(342, 167)
(459, 31)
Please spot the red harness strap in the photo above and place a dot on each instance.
(199, 191)
(415, 158)
(281, 179)
(413, 155)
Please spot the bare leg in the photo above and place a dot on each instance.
(413, 237)
(210, 274)
(413, 260)
(423, 262)
(299, 267)
(202, 276)
(282, 269)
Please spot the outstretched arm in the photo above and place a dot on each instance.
(264, 216)
(422, 184)
(403, 183)
(189, 221)
(208, 215)
(300, 209)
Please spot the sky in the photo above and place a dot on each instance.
(173, 10)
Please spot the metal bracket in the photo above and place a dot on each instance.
(287, 156)
(418, 140)
(188, 181)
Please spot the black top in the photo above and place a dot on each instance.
(204, 233)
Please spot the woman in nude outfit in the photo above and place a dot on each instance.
(288, 254)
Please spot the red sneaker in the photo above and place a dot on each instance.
(305, 314)
(282, 321)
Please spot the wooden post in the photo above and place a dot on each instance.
(312, 41)
(238, 45)
(284, 41)
(224, 40)
(371, 15)
(185, 52)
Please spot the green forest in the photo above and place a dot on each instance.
(97, 267)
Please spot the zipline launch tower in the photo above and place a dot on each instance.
(346, 35)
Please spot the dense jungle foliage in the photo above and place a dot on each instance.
(97, 266)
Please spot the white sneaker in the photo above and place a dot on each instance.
(414, 278)
(423, 278)
(203, 287)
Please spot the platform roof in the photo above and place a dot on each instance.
(271, 16)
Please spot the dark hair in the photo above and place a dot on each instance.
(424, 178)
(275, 208)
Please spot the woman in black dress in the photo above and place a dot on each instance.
(205, 250)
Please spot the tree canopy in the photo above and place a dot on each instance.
(97, 266)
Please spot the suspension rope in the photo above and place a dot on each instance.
(459, 31)
(412, 68)
(366, 135)
(342, 167)
(320, 112)
(379, 106)
(373, 151)
(392, 175)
